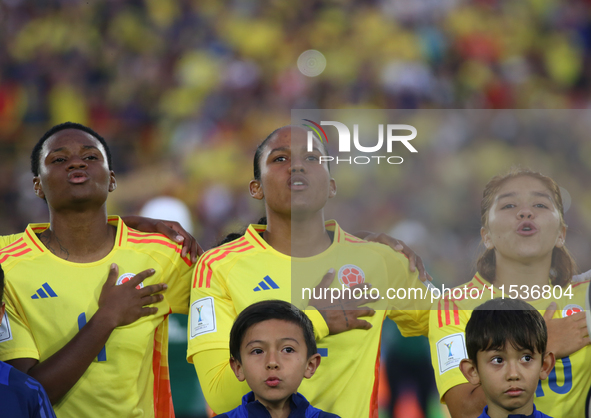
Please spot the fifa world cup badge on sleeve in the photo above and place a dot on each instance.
(451, 350)
(5, 334)
(203, 317)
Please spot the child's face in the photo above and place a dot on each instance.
(509, 378)
(274, 360)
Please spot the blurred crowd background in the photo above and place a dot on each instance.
(184, 91)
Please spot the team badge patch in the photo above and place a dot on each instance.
(125, 277)
(571, 309)
(451, 350)
(202, 315)
(5, 333)
(350, 275)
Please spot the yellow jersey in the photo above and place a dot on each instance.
(49, 299)
(231, 277)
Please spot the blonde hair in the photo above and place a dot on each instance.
(563, 265)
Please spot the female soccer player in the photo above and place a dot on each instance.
(81, 321)
(283, 258)
(524, 233)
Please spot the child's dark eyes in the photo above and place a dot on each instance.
(289, 350)
(497, 360)
(527, 358)
(256, 351)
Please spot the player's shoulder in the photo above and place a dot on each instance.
(361, 246)
(453, 305)
(149, 242)
(352, 239)
(574, 296)
(154, 245)
(19, 250)
(468, 293)
(149, 239)
(6, 240)
(228, 253)
(580, 286)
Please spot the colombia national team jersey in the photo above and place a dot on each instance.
(8, 239)
(229, 278)
(563, 394)
(48, 300)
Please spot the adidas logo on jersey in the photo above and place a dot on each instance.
(42, 293)
(264, 285)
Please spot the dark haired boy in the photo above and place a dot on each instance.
(20, 395)
(272, 347)
(506, 344)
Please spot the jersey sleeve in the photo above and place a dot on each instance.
(179, 286)
(447, 342)
(211, 311)
(320, 326)
(221, 388)
(177, 275)
(8, 239)
(211, 317)
(16, 339)
(408, 298)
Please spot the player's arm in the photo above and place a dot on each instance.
(465, 401)
(173, 230)
(211, 316)
(414, 260)
(176, 272)
(222, 390)
(118, 306)
(411, 312)
(447, 343)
